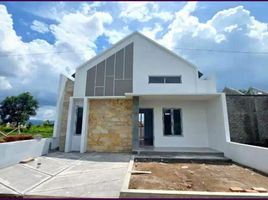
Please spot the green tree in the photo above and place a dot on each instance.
(18, 109)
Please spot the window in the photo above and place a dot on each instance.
(164, 79)
(156, 79)
(172, 121)
(79, 119)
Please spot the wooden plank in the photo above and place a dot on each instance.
(140, 172)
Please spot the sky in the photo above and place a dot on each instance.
(41, 40)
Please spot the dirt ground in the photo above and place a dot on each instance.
(195, 177)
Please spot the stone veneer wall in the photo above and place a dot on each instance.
(110, 125)
(68, 92)
(248, 118)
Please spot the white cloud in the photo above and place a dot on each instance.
(40, 27)
(35, 66)
(142, 11)
(151, 32)
(116, 35)
(4, 83)
(233, 29)
(80, 31)
(45, 113)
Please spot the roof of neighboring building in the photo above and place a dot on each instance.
(249, 91)
(256, 91)
(228, 90)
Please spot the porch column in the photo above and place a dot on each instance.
(70, 125)
(135, 122)
(83, 144)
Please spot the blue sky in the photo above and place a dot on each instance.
(40, 40)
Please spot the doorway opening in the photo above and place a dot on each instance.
(146, 136)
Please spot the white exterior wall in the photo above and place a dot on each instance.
(194, 123)
(151, 59)
(218, 126)
(59, 107)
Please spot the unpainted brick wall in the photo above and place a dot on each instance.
(248, 118)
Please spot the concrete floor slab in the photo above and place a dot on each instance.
(20, 178)
(68, 175)
(5, 190)
(48, 165)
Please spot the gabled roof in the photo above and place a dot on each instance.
(129, 38)
(229, 90)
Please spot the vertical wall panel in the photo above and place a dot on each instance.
(100, 74)
(99, 91)
(109, 86)
(113, 76)
(129, 61)
(122, 87)
(90, 84)
(119, 64)
(110, 66)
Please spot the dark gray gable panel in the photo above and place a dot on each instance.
(119, 64)
(100, 74)
(90, 84)
(109, 86)
(99, 91)
(122, 87)
(110, 66)
(129, 61)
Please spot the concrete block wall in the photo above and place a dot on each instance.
(248, 118)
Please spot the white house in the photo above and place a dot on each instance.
(135, 94)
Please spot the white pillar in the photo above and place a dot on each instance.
(59, 107)
(70, 125)
(83, 144)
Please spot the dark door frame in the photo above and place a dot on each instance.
(152, 127)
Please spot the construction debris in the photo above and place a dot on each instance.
(140, 172)
(236, 189)
(27, 160)
(184, 167)
(250, 191)
(259, 189)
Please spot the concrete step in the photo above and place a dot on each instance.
(182, 158)
(176, 153)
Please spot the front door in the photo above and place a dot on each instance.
(146, 126)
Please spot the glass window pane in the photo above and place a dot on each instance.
(156, 79)
(167, 121)
(177, 121)
(173, 79)
(79, 120)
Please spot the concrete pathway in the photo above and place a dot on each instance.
(67, 175)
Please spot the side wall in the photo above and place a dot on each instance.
(68, 92)
(248, 118)
(219, 138)
(14, 152)
(194, 123)
(110, 125)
